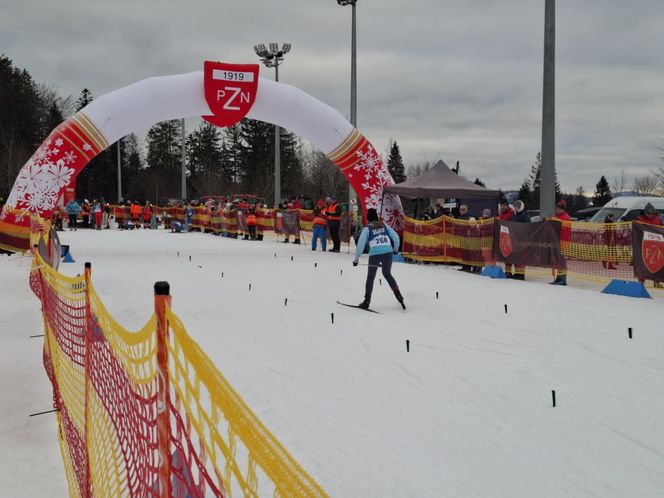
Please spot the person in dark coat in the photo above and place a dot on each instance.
(520, 216)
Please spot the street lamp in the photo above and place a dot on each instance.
(273, 57)
(353, 79)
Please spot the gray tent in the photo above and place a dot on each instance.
(441, 181)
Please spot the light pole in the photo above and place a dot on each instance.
(272, 57)
(353, 80)
(119, 175)
(183, 175)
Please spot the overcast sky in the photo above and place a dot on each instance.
(453, 80)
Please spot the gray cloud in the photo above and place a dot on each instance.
(454, 80)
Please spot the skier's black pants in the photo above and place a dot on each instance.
(385, 262)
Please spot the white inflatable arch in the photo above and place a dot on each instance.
(110, 117)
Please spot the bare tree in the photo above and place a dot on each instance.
(618, 184)
(646, 185)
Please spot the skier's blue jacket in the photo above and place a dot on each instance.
(378, 236)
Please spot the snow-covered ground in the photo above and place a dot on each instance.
(466, 413)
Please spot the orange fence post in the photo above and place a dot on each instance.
(162, 299)
(88, 344)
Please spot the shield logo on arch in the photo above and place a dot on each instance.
(505, 241)
(652, 251)
(230, 91)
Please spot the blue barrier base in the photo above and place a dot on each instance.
(625, 288)
(493, 271)
(398, 258)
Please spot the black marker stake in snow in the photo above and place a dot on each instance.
(249, 286)
(190, 257)
(332, 317)
(222, 274)
(291, 258)
(505, 308)
(342, 272)
(380, 281)
(315, 265)
(436, 294)
(407, 345)
(553, 397)
(178, 254)
(629, 331)
(285, 301)
(275, 254)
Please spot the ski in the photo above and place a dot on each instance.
(356, 306)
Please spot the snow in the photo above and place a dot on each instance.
(467, 412)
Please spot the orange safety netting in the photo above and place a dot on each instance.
(108, 393)
(597, 251)
(447, 240)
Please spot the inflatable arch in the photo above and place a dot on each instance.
(69, 148)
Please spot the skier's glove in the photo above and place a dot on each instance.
(355, 262)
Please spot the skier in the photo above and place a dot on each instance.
(383, 241)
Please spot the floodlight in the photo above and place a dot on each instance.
(274, 47)
(286, 48)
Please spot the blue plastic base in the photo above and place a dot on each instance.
(493, 271)
(398, 258)
(625, 288)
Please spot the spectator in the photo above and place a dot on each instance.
(320, 231)
(135, 211)
(565, 235)
(505, 213)
(610, 242)
(333, 215)
(106, 218)
(463, 212)
(147, 214)
(383, 241)
(73, 209)
(97, 214)
(466, 232)
(651, 217)
(520, 216)
(252, 221)
(85, 213)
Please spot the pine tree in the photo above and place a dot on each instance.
(19, 122)
(292, 171)
(602, 193)
(235, 152)
(395, 163)
(84, 99)
(205, 161)
(525, 194)
(164, 143)
(258, 158)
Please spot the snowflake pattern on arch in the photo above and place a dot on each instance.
(38, 184)
(375, 177)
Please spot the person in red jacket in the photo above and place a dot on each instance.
(650, 216)
(565, 235)
(505, 212)
(147, 214)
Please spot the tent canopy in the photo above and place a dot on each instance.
(441, 181)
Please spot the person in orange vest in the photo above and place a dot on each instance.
(135, 211)
(333, 215)
(565, 235)
(320, 231)
(252, 221)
